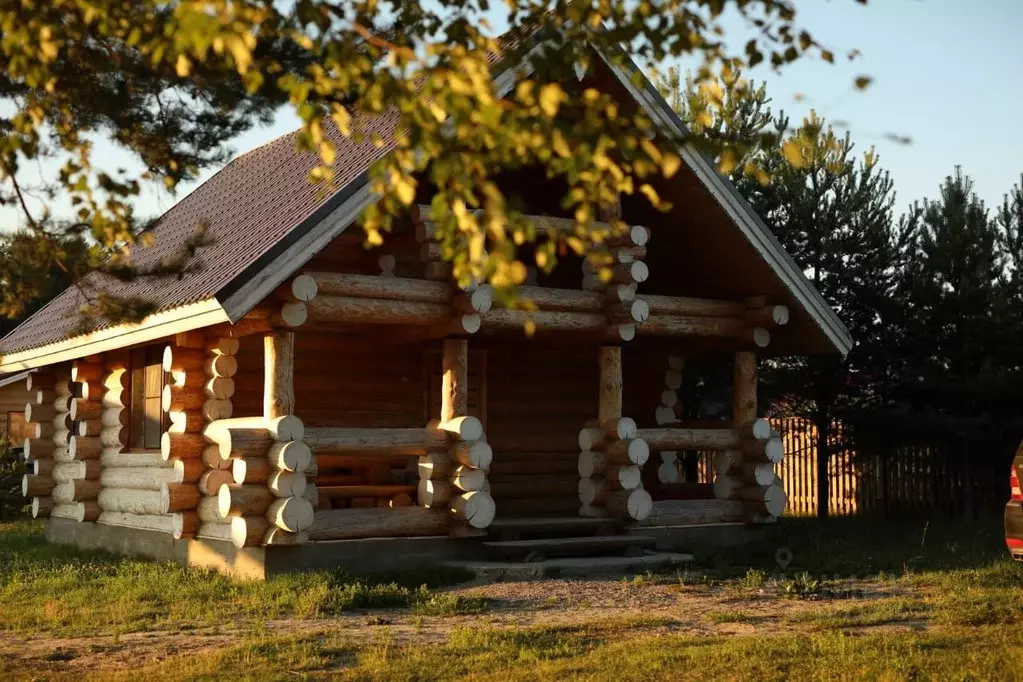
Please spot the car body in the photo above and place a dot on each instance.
(1014, 509)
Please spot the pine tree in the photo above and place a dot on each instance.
(955, 284)
(832, 210)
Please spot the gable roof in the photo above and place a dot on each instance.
(265, 221)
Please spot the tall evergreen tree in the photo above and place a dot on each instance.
(832, 209)
(955, 284)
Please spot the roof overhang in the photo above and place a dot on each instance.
(156, 326)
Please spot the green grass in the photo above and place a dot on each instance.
(947, 604)
(595, 653)
(45, 587)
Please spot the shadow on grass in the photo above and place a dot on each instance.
(855, 546)
(46, 587)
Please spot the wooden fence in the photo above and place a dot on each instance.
(928, 472)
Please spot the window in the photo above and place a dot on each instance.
(147, 416)
(15, 428)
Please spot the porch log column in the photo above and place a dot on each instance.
(455, 481)
(747, 473)
(611, 454)
(282, 510)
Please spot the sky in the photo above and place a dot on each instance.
(946, 73)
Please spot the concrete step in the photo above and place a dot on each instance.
(571, 566)
(631, 545)
(549, 526)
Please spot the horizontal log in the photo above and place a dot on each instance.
(477, 454)
(477, 508)
(222, 345)
(220, 366)
(41, 507)
(771, 450)
(188, 470)
(293, 514)
(290, 456)
(554, 321)
(248, 531)
(208, 510)
(287, 484)
(176, 398)
(131, 460)
(684, 306)
(184, 524)
(41, 467)
(161, 523)
(87, 371)
(214, 531)
(36, 486)
(75, 490)
(216, 409)
(117, 417)
(770, 500)
(182, 445)
(69, 471)
(76, 511)
(708, 327)
(39, 449)
(635, 504)
(767, 316)
(185, 360)
(387, 288)
(177, 497)
(624, 477)
(350, 310)
(251, 469)
(244, 500)
(632, 451)
(350, 524)
(695, 512)
(212, 479)
(379, 442)
(145, 502)
(274, 537)
(39, 413)
(468, 479)
(690, 439)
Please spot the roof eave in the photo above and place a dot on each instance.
(156, 326)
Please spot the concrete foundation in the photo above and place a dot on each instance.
(356, 556)
(258, 563)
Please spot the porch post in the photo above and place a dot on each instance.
(279, 371)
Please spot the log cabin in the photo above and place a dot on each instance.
(300, 401)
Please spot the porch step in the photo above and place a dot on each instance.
(538, 550)
(571, 566)
(515, 528)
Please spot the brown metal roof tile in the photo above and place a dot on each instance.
(247, 207)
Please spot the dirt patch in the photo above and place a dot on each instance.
(640, 607)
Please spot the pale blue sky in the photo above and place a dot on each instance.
(947, 73)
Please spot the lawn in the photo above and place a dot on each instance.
(859, 599)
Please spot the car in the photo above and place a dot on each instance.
(1014, 509)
